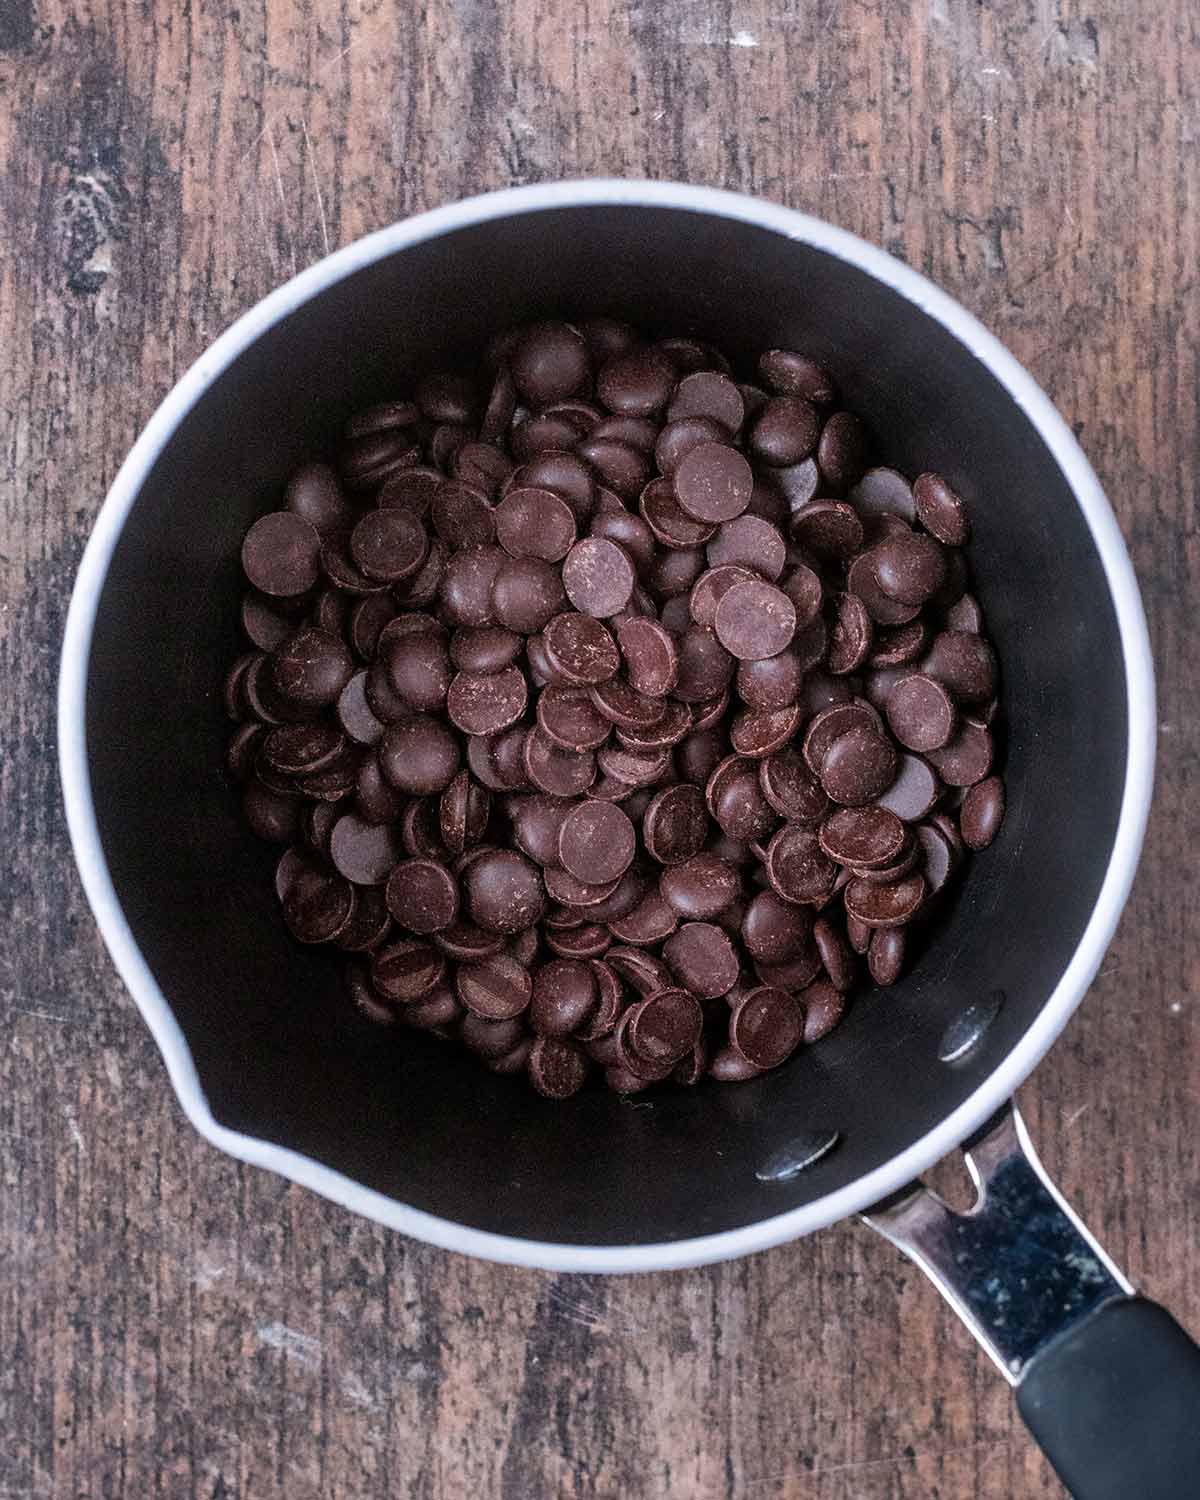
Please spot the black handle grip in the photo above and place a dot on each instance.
(1115, 1405)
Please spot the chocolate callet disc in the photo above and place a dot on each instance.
(791, 788)
(703, 959)
(596, 842)
(798, 868)
(422, 895)
(281, 554)
(858, 767)
(562, 773)
(598, 576)
(363, 852)
(535, 523)
(651, 659)
(767, 1027)
(504, 891)
(495, 989)
(581, 648)
(665, 1026)
(675, 824)
(700, 888)
(557, 1068)
(884, 905)
(713, 483)
(755, 620)
(868, 837)
(486, 704)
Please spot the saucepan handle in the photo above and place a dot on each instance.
(1107, 1382)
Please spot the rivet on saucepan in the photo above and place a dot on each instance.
(967, 1029)
(800, 1153)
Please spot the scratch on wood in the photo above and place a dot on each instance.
(312, 166)
(287, 224)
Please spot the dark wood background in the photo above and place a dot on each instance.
(173, 1324)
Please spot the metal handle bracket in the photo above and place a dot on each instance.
(1019, 1268)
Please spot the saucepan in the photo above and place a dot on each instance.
(253, 1029)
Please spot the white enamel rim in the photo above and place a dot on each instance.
(915, 1158)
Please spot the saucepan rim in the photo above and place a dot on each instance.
(914, 1158)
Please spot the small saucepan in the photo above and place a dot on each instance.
(421, 1138)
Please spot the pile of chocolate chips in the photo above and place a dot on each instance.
(609, 707)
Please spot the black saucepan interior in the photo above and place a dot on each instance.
(277, 1054)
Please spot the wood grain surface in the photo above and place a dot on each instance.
(174, 1324)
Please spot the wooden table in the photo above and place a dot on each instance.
(173, 1324)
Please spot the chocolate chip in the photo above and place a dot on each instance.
(549, 362)
(859, 766)
(967, 758)
(963, 662)
(982, 812)
(710, 394)
(466, 585)
(767, 1027)
(669, 523)
(798, 868)
(565, 994)
(791, 374)
(774, 930)
(365, 853)
(638, 383)
(581, 648)
(596, 842)
(755, 620)
(899, 645)
(921, 713)
(418, 755)
(535, 523)
(866, 837)
(310, 669)
(568, 716)
(486, 704)
(879, 904)
(681, 435)
(836, 953)
(760, 732)
(418, 667)
(785, 431)
(675, 824)
(727, 1065)
(771, 683)
(281, 554)
(562, 773)
(843, 451)
(861, 580)
(713, 483)
(940, 510)
(828, 528)
(851, 636)
(526, 594)
(885, 956)
(824, 1006)
(355, 714)
(422, 895)
(315, 495)
(598, 576)
(624, 706)
(404, 971)
(791, 787)
(623, 468)
(700, 887)
(388, 545)
(494, 989)
(665, 1026)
